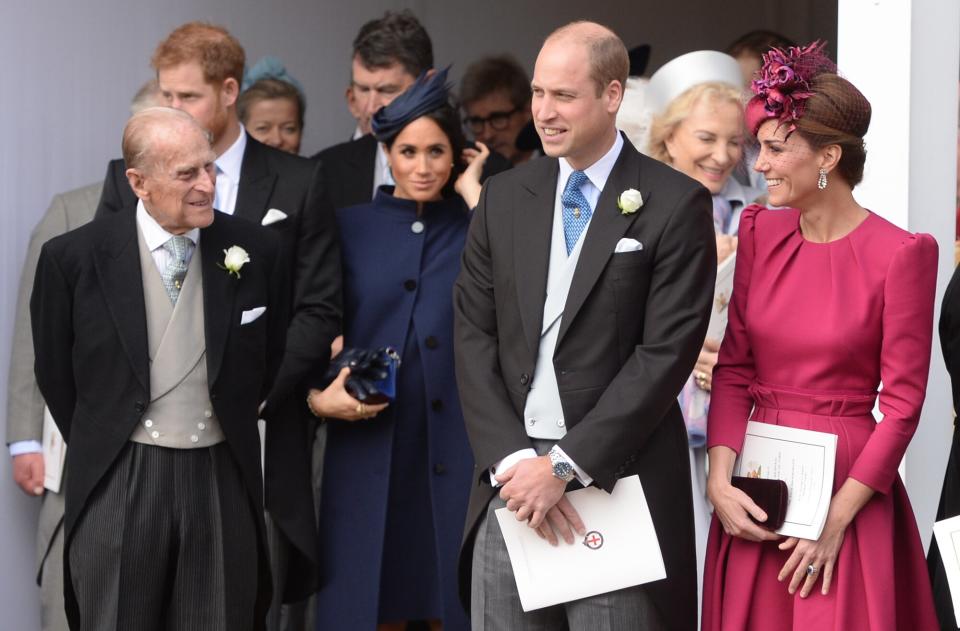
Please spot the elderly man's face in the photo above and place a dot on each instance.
(571, 119)
(177, 187)
(183, 87)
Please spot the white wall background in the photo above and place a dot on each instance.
(70, 68)
(910, 175)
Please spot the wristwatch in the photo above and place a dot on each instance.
(562, 469)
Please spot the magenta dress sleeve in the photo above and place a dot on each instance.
(730, 401)
(904, 359)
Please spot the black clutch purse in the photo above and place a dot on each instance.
(373, 374)
(769, 495)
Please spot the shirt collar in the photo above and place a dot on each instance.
(155, 236)
(599, 171)
(231, 160)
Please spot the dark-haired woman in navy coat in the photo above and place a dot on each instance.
(397, 477)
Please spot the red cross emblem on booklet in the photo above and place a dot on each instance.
(593, 540)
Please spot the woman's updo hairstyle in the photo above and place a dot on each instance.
(837, 114)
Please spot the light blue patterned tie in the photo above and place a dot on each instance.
(177, 266)
(576, 209)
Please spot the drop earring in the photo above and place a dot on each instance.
(822, 179)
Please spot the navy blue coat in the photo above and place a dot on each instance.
(398, 275)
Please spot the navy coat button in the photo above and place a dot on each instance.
(410, 284)
(436, 405)
(439, 468)
(431, 342)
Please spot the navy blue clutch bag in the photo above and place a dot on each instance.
(373, 374)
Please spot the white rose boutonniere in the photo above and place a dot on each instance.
(629, 201)
(235, 258)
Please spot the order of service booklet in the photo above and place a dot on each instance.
(803, 459)
(54, 453)
(619, 549)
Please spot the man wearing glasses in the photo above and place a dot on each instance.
(495, 95)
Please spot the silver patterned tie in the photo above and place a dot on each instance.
(176, 270)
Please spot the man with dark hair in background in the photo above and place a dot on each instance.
(389, 53)
(495, 96)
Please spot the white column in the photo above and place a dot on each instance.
(904, 56)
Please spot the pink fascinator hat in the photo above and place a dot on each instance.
(782, 85)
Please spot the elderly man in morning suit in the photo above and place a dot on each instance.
(577, 323)
(199, 68)
(164, 515)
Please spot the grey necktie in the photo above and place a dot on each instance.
(173, 276)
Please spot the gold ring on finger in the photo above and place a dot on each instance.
(359, 409)
(363, 409)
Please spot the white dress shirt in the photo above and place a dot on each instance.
(229, 164)
(543, 413)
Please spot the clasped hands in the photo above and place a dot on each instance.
(734, 508)
(536, 496)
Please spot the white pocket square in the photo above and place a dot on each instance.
(250, 315)
(628, 245)
(273, 216)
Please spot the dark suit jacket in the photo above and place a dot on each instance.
(348, 170)
(88, 312)
(631, 330)
(311, 287)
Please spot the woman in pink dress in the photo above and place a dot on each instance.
(829, 300)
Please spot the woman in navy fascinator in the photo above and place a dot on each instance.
(397, 474)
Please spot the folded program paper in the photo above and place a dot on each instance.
(802, 458)
(619, 550)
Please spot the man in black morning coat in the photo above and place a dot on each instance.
(199, 67)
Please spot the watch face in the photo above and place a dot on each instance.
(563, 470)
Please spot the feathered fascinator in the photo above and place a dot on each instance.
(428, 93)
(268, 67)
(782, 85)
